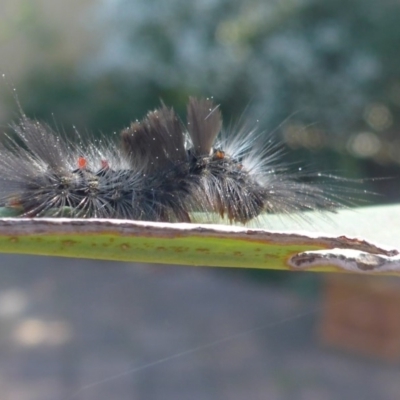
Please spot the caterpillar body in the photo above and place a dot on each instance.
(162, 170)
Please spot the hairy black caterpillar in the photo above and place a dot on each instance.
(161, 171)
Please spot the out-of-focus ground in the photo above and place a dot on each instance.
(163, 332)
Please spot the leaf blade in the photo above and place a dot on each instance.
(184, 244)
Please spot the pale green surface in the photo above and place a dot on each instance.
(379, 224)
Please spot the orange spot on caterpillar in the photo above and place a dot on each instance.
(219, 154)
(82, 163)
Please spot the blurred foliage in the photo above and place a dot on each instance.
(327, 73)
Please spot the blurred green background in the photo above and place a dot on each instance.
(324, 75)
